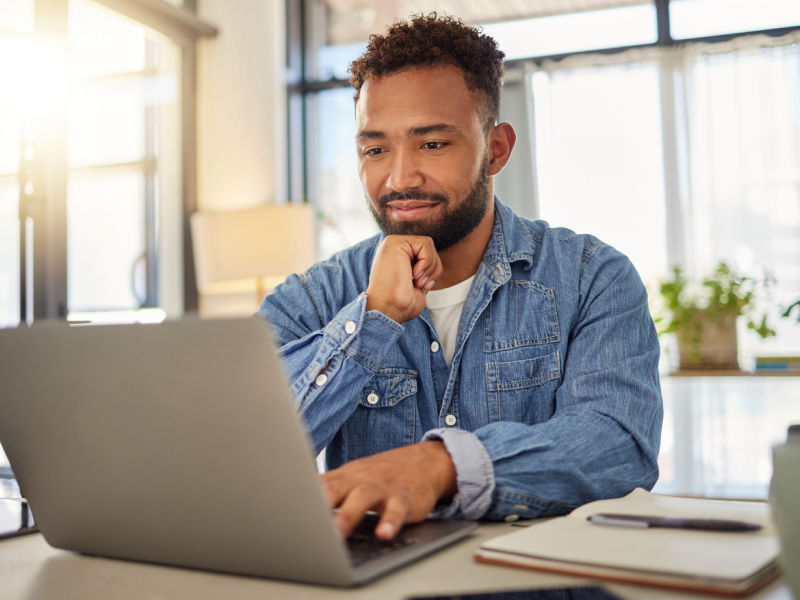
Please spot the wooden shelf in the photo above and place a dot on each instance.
(732, 373)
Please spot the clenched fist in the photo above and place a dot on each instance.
(405, 269)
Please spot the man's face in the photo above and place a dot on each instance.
(423, 156)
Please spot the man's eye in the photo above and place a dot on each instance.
(374, 151)
(434, 145)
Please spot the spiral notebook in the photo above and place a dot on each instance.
(724, 563)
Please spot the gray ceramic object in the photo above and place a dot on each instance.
(784, 498)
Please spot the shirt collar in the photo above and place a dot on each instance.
(511, 242)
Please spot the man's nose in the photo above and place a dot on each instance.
(405, 172)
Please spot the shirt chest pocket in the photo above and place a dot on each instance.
(523, 390)
(385, 415)
(521, 313)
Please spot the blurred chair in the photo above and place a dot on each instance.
(240, 256)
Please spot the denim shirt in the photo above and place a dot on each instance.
(554, 373)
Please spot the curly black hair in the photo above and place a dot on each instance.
(436, 41)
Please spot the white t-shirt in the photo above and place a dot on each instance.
(445, 308)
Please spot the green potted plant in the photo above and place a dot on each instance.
(704, 316)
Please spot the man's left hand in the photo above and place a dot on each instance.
(403, 485)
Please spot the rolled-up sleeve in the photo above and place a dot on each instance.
(474, 474)
(326, 360)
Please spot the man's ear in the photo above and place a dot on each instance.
(501, 142)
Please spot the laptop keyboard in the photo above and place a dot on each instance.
(365, 547)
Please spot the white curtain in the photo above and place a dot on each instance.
(743, 108)
(599, 154)
(686, 156)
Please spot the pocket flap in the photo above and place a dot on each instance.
(388, 387)
(522, 313)
(525, 373)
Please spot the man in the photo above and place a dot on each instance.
(467, 361)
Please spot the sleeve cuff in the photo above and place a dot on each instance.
(364, 335)
(474, 474)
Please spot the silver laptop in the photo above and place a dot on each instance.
(178, 444)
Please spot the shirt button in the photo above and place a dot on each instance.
(435, 347)
(450, 420)
(373, 398)
(349, 327)
(322, 379)
(512, 518)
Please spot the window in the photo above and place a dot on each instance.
(728, 115)
(702, 18)
(576, 32)
(28, 90)
(523, 28)
(342, 207)
(122, 115)
(323, 171)
(92, 168)
(9, 252)
(698, 140)
(17, 16)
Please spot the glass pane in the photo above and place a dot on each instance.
(5, 484)
(9, 255)
(599, 158)
(345, 218)
(347, 21)
(16, 15)
(102, 42)
(10, 135)
(105, 237)
(613, 28)
(719, 431)
(31, 80)
(334, 61)
(700, 18)
(106, 122)
(555, 28)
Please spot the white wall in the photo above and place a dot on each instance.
(241, 95)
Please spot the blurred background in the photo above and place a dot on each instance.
(143, 140)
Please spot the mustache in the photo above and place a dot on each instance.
(384, 200)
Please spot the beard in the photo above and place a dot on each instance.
(454, 223)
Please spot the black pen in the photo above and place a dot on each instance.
(643, 522)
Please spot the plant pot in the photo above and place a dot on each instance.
(718, 345)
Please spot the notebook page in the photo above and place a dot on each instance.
(701, 554)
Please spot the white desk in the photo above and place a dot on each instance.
(32, 570)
